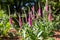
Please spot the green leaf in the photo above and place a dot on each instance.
(50, 39)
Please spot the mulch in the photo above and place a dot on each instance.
(56, 35)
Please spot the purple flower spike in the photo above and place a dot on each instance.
(46, 8)
(32, 8)
(50, 17)
(33, 16)
(39, 12)
(30, 19)
(30, 22)
(46, 5)
(20, 22)
(10, 20)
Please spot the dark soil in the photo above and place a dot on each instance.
(8, 38)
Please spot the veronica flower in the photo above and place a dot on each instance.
(50, 14)
(30, 19)
(33, 16)
(50, 17)
(39, 12)
(10, 20)
(20, 21)
(32, 8)
(46, 5)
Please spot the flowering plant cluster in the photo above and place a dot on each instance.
(29, 22)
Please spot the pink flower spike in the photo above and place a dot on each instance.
(30, 14)
(46, 5)
(46, 8)
(39, 12)
(20, 22)
(10, 20)
(50, 17)
(33, 16)
(32, 8)
(30, 20)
